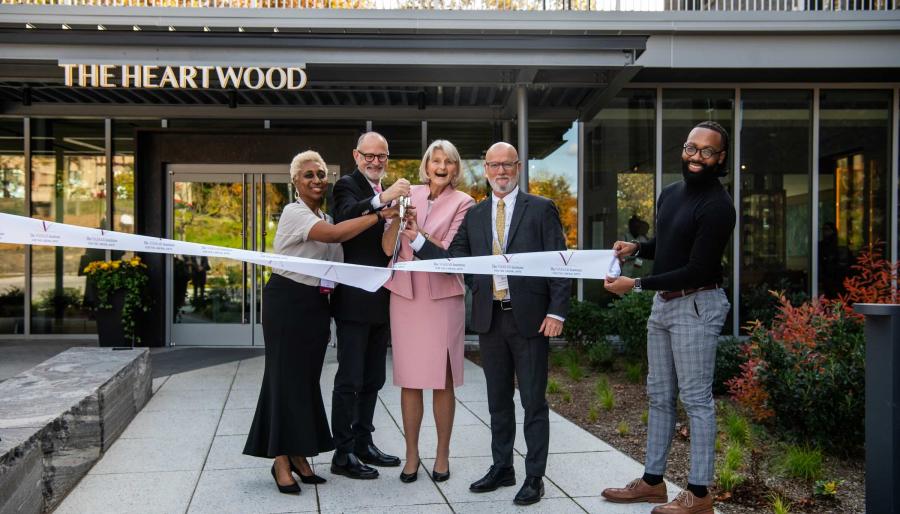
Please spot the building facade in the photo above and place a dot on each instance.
(180, 121)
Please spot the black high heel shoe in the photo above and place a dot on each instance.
(407, 478)
(285, 489)
(311, 479)
(440, 477)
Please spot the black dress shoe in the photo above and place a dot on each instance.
(496, 477)
(285, 489)
(440, 477)
(372, 455)
(306, 479)
(410, 477)
(531, 492)
(352, 467)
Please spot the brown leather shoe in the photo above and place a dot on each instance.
(686, 503)
(637, 491)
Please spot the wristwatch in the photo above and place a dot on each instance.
(636, 250)
(637, 286)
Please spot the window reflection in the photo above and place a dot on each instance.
(619, 179)
(12, 201)
(68, 186)
(854, 181)
(775, 198)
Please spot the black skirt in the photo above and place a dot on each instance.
(290, 416)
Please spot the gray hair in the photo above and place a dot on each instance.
(304, 157)
(448, 148)
(366, 135)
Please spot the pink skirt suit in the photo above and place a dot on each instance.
(428, 311)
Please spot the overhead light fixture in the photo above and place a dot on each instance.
(240, 29)
(101, 27)
(171, 28)
(135, 28)
(206, 29)
(29, 26)
(66, 27)
(275, 29)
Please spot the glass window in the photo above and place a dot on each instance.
(553, 171)
(68, 186)
(12, 201)
(124, 143)
(854, 181)
(682, 109)
(620, 179)
(775, 198)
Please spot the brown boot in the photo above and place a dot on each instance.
(637, 491)
(686, 503)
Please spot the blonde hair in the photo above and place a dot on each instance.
(304, 157)
(448, 148)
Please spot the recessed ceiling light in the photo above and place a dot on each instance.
(171, 28)
(240, 29)
(101, 27)
(275, 29)
(29, 26)
(66, 27)
(135, 28)
(206, 29)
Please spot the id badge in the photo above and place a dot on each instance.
(326, 286)
(501, 283)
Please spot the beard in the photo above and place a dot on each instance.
(374, 175)
(513, 182)
(707, 174)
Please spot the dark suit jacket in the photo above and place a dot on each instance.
(352, 199)
(535, 227)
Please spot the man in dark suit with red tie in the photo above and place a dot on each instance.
(363, 327)
(514, 316)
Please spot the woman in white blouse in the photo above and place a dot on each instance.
(290, 422)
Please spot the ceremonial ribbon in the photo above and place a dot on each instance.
(559, 264)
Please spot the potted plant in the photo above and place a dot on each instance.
(121, 293)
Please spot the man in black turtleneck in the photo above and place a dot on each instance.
(694, 221)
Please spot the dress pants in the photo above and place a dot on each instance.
(682, 335)
(362, 348)
(507, 355)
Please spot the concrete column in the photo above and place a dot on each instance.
(522, 101)
(882, 406)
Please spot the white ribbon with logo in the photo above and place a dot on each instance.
(561, 264)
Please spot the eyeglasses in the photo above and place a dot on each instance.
(494, 166)
(706, 153)
(369, 157)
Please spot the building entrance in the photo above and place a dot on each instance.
(213, 301)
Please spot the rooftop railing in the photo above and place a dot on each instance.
(505, 5)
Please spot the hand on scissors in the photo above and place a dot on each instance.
(411, 228)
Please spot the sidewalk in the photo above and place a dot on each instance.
(182, 453)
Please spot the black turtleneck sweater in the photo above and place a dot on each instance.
(693, 225)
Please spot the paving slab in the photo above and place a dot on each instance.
(385, 492)
(156, 454)
(146, 493)
(227, 453)
(235, 422)
(545, 506)
(465, 470)
(241, 491)
(203, 399)
(189, 424)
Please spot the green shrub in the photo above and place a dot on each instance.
(734, 457)
(802, 462)
(622, 428)
(645, 416)
(601, 385)
(584, 323)
(575, 371)
(729, 357)
(736, 427)
(729, 478)
(634, 372)
(627, 317)
(553, 386)
(567, 397)
(600, 355)
(780, 505)
(67, 300)
(607, 399)
(12, 302)
(806, 374)
(593, 413)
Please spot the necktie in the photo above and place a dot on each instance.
(500, 226)
(378, 189)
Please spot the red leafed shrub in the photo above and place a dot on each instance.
(872, 281)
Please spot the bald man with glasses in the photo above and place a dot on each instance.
(515, 317)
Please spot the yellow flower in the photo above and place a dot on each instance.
(115, 264)
(104, 266)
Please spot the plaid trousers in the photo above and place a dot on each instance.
(682, 335)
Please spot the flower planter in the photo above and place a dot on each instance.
(110, 330)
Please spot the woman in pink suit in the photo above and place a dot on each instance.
(428, 310)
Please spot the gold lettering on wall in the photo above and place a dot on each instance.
(184, 77)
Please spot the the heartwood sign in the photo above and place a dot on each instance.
(184, 77)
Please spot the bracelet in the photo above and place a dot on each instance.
(425, 235)
(378, 216)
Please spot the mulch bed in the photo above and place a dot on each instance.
(624, 428)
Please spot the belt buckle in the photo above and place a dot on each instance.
(505, 305)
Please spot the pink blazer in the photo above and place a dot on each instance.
(447, 213)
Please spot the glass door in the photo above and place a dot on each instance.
(214, 301)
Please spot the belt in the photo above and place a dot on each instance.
(671, 295)
(504, 305)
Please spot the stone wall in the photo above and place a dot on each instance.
(57, 418)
